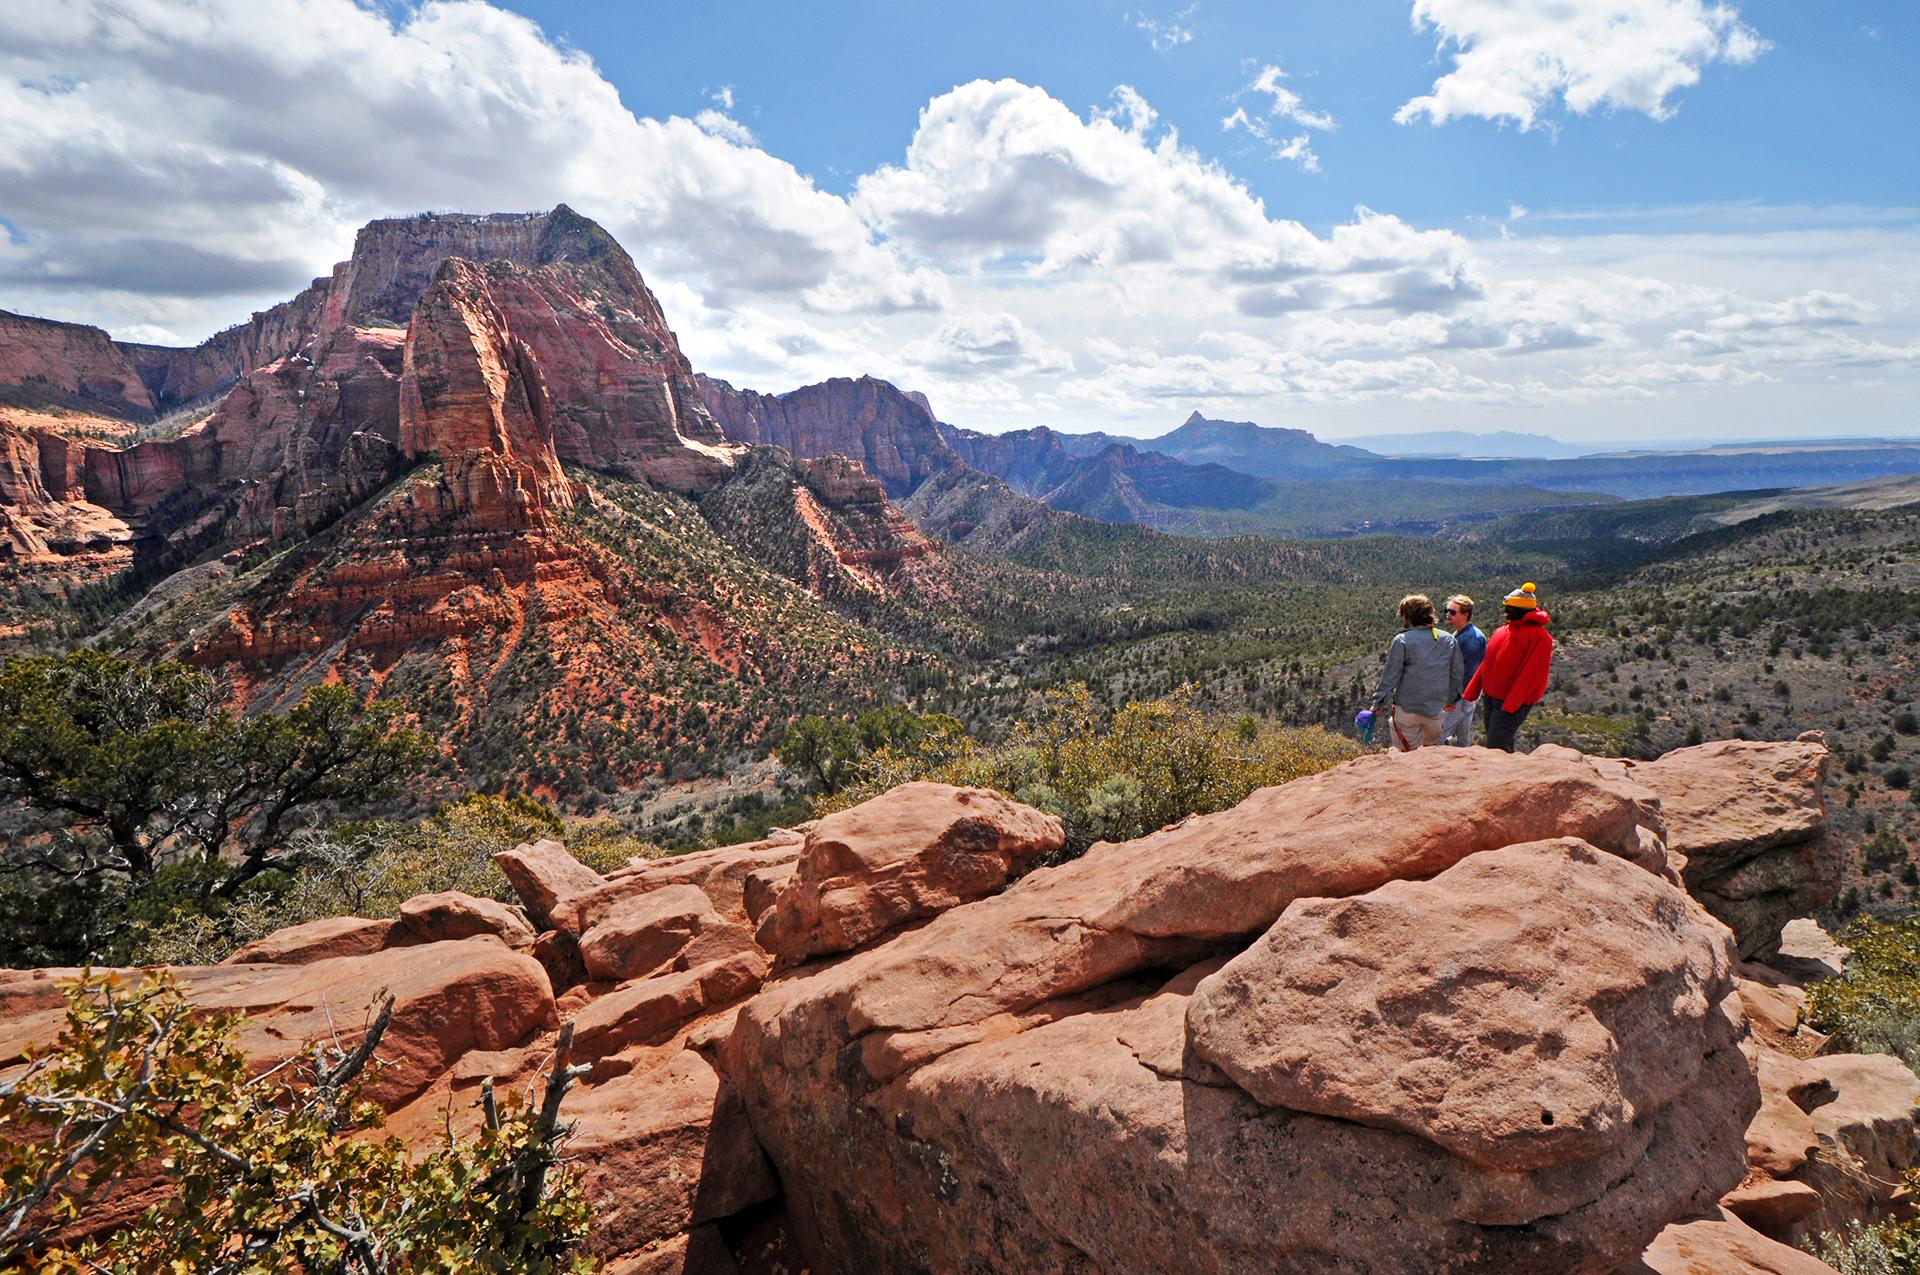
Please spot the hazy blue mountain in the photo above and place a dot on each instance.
(1505, 444)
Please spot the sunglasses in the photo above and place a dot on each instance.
(1453, 611)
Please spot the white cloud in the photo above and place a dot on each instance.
(1284, 106)
(230, 148)
(1168, 34)
(986, 343)
(1514, 58)
(170, 166)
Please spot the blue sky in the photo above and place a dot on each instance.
(1606, 220)
(1819, 119)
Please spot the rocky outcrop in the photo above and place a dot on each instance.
(1355, 1008)
(1720, 1244)
(1491, 1034)
(1751, 819)
(893, 436)
(542, 873)
(320, 940)
(721, 874)
(675, 928)
(451, 915)
(912, 852)
(69, 365)
(1017, 1083)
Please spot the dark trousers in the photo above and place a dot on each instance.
(1502, 726)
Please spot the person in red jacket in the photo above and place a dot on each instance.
(1513, 673)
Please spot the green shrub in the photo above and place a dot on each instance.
(283, 1172)
(1150, 764)
(1875, 1007)
(370, 869)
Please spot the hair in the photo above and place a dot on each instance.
(1416, 611)
(1518, 610)
(1462, 601)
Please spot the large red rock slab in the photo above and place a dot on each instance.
(1721, 1244)
(911, 852)
(1521, 1009)
(1168, 899)
(542, 873)
(649, 1011)
(450, 999)
(317, 941)
(1868, 1136)
(721, 873)
(660, 1151)
(643, 935)
(1751, 819)
(1773, 1207)
(995, 1089)
(1095, 1142)
(451, 914)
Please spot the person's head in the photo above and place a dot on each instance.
(1416, 611)
(1459, 612)
(1523, 601)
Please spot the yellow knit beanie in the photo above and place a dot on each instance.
(1525, 596)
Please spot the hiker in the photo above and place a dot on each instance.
(1423, 676)
(1456, 726)
(1513, 673)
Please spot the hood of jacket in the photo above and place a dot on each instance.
(1537, 617)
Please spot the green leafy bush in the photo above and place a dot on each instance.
(284, 1173)
(1875, 1007)
(1150, 764)
(370, 869)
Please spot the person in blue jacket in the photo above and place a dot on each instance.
(1456, 723)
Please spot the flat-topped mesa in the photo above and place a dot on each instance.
(70, 365)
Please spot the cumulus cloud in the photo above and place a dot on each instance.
(986, 343)
(231, 131)
(168, 165)
(1512, 59)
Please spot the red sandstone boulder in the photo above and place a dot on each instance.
(1868, 1136)
(317, 941)
(914, 851)
(661, 1151)
(1720, 1244)
(433, 918)
(1456, 1009)
(675, 926)
(1012, 1085)
(1751, 819)
(542, 873)
(721, 873)
(450, 999)
(649, 1011)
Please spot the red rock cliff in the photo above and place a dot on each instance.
(890, 432)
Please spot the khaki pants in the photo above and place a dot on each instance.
(1456, 727)
(1413, 730)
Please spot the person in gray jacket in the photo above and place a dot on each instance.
(1424, 674)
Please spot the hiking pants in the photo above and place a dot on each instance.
(1456, 724)
(1502, 726)
(1413, 730)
